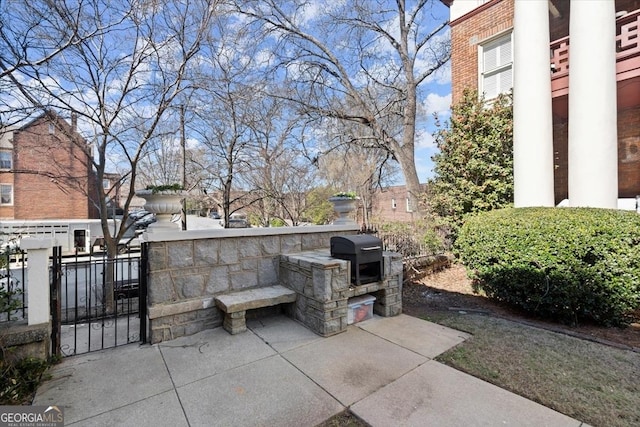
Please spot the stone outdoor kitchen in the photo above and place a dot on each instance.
(202, 279)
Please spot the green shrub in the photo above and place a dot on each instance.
(473, 168)
(20, 379)
(277, 222)
(568, 264)
(165, 187)
(9, 297)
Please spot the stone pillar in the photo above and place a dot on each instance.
(532, 120)
(38, 278)
(593, 136)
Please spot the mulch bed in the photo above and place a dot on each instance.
(449, 290)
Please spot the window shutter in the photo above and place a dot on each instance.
(497, 64)
(505, 51)
(506, 80)
(490, 86)
(490, 54)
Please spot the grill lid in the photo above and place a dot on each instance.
(355, 244)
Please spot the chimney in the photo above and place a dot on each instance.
(74, 122)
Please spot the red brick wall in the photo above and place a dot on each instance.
(628, 134)
(466, 34)
(560, 159)
(382, 208)
(495, 17)
(52, 173)
(629, 152)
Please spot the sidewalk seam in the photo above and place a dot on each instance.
(299, 370)
(173, 384)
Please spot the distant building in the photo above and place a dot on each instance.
(390, 204)
(115, 193)
(45, 172)
(574, 67)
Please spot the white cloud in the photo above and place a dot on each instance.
(424, 139)
(192, 143)
(442, 75)
(437, 104)
(264, 58)
(311, 11)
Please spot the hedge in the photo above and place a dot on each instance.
(567, 264)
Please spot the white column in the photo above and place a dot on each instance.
(593, 135)
(532, 119)
(38, 278)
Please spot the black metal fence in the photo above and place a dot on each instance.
(406, 243)
(423, 249)
(13, 289)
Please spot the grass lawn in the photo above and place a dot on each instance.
(594, 383)
(591, 382)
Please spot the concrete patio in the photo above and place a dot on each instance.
(279, 373)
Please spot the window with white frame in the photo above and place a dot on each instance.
(6, 159)
(496, 66)
(409, 208)
(6, 194)
(393, 204)
(106, 184)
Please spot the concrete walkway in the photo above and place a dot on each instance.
(281, 374)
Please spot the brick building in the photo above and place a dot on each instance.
(45, 172)
(576, 117)
(390, 204)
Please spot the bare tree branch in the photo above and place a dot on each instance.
(358, 63)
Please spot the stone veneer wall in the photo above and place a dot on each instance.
(187, 269)
(20, 340)
(324, 288)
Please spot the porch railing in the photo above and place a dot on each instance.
(627, 44)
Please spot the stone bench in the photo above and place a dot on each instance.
(236, 304)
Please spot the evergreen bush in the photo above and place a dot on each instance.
(568, 264)
(473, 169)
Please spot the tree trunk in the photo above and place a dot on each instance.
(110, 277)
(406, 158)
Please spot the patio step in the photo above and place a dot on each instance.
(235, 304)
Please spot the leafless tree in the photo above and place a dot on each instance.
(222, 114)
(121, 80)
(119, 66)
(163, 162)
(280, 172)
(351, 167)
(24, 45)
(32, 35)
(360, 61)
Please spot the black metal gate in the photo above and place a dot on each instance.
(97, 302)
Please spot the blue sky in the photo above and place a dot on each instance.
(437, 101)
(434, 94)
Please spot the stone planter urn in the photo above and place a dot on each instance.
(164, 204)
(344, 207)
